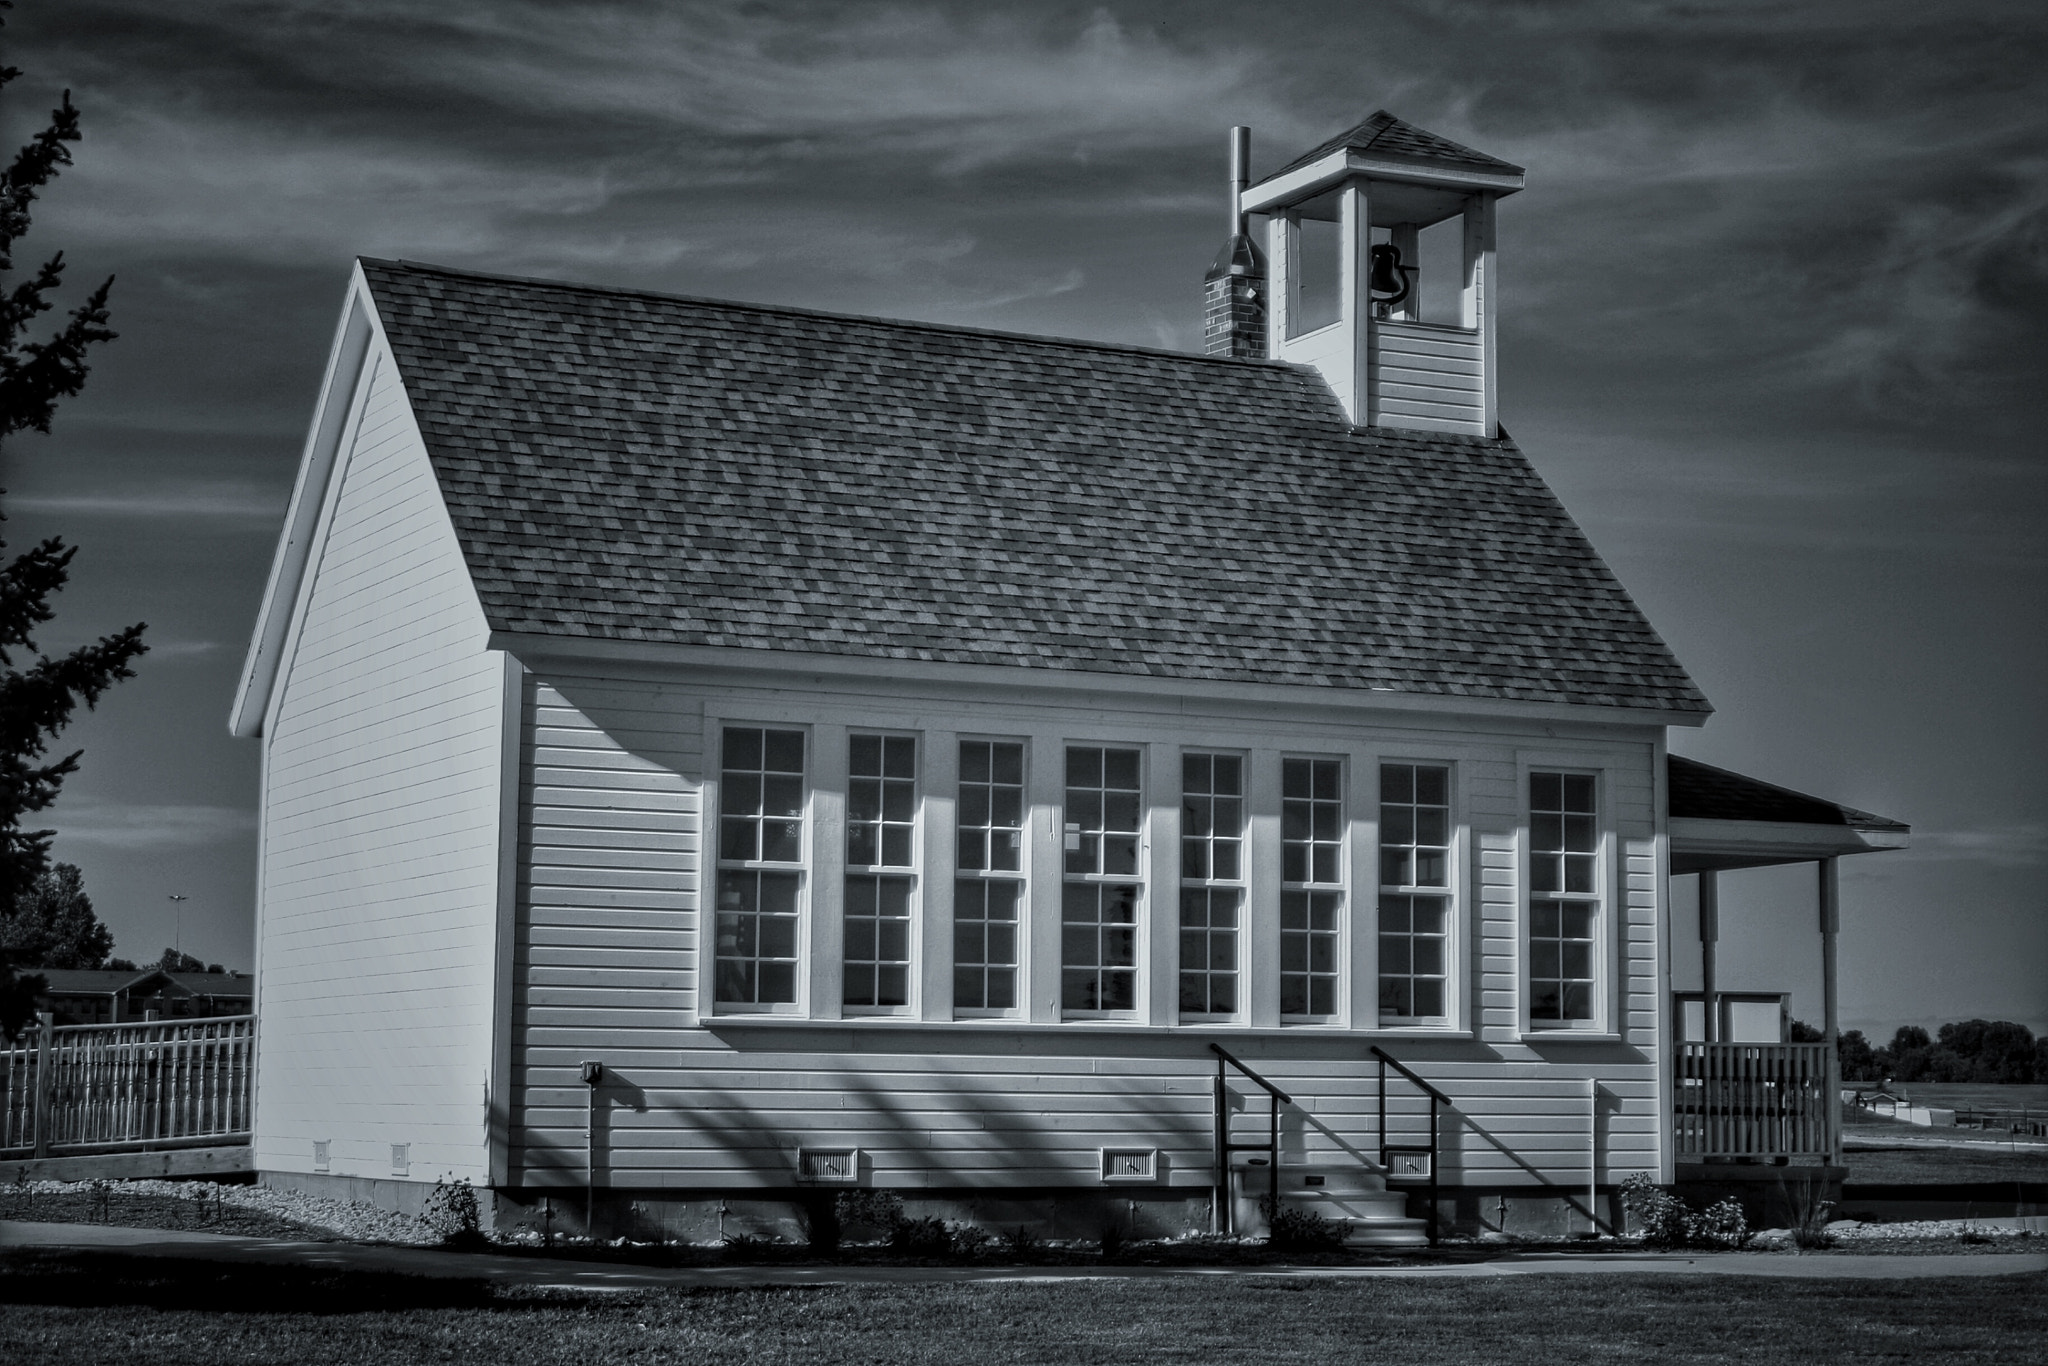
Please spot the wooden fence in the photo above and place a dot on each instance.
(1752, 1100)
(68, 1089)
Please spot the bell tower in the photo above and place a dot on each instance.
(1344, 227)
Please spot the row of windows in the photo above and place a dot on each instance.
(761, 825)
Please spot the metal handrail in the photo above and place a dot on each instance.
(1220, 1051)
(1391, 1061)
(1436, 1098)
(1220, 1217)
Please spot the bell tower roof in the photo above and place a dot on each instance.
(1428, 176)
(1384, 135)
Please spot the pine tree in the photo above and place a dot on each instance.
(38, 693)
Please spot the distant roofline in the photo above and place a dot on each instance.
(792, 310)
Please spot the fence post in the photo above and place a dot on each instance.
(46, 1038)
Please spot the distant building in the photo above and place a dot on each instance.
(84, 996)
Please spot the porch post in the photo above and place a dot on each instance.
(1710, 937)
(1830, 924)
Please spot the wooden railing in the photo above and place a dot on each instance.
(67, 1089)
(1752, 1100)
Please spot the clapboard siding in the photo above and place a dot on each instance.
(613, 778)
(1427, 376)
(380, 830)
(605, 937)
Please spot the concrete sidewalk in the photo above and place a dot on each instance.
(539, 1271)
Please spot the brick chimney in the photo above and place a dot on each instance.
(1234, 316)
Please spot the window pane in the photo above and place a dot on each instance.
(1008, 762)
(864, 755)
(974, 759)
(783, 751)
(742, 748)
(782, 842)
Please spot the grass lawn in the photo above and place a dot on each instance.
(1941, 1166)
(62, 1309)
(1915, 1160)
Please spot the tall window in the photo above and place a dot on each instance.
(1564, 897)
(881, 813)
(760, 865)
(1312, 884)
(1211, 881)
(1415, 835)
(990, 887)
(1099, 902)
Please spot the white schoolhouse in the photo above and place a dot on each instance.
(716, 753)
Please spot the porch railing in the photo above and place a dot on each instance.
(1752, 1100)
(68, 1089)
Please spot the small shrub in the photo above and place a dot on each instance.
(1021, 1243)
(1662, 1220)
(881, 1211)
(969, 1240)
(453, 1211)
(1656, 1214)
(1719, 1225)
(924, 1237)
(1808, 1220)
(1301, 1230)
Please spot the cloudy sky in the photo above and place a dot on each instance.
(1775, 326)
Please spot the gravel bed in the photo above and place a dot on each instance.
(205, 1206)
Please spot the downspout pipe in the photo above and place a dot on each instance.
(593, 1077)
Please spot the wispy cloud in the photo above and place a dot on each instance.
(2003, 846)
(145, 826)
(233, 501)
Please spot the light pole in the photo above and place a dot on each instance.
(178, 934)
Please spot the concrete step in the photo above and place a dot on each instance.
(1350, 1193)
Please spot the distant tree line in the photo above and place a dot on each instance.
(1967, 1050)
(53, 925)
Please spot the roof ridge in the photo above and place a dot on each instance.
(954, 329)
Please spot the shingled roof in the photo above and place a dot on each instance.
(641, 467)
(1384, 135)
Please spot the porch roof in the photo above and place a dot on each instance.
(1721, 819)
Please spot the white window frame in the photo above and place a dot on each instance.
(1601, 898)
(1452, 892)
(913, 872)
(1020, 878)
(1341, 948)
(801, 867)
(1241, 885)
(1141, 879)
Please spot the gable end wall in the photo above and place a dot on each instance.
(379, 859)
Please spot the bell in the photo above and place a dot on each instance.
(1387, 278)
